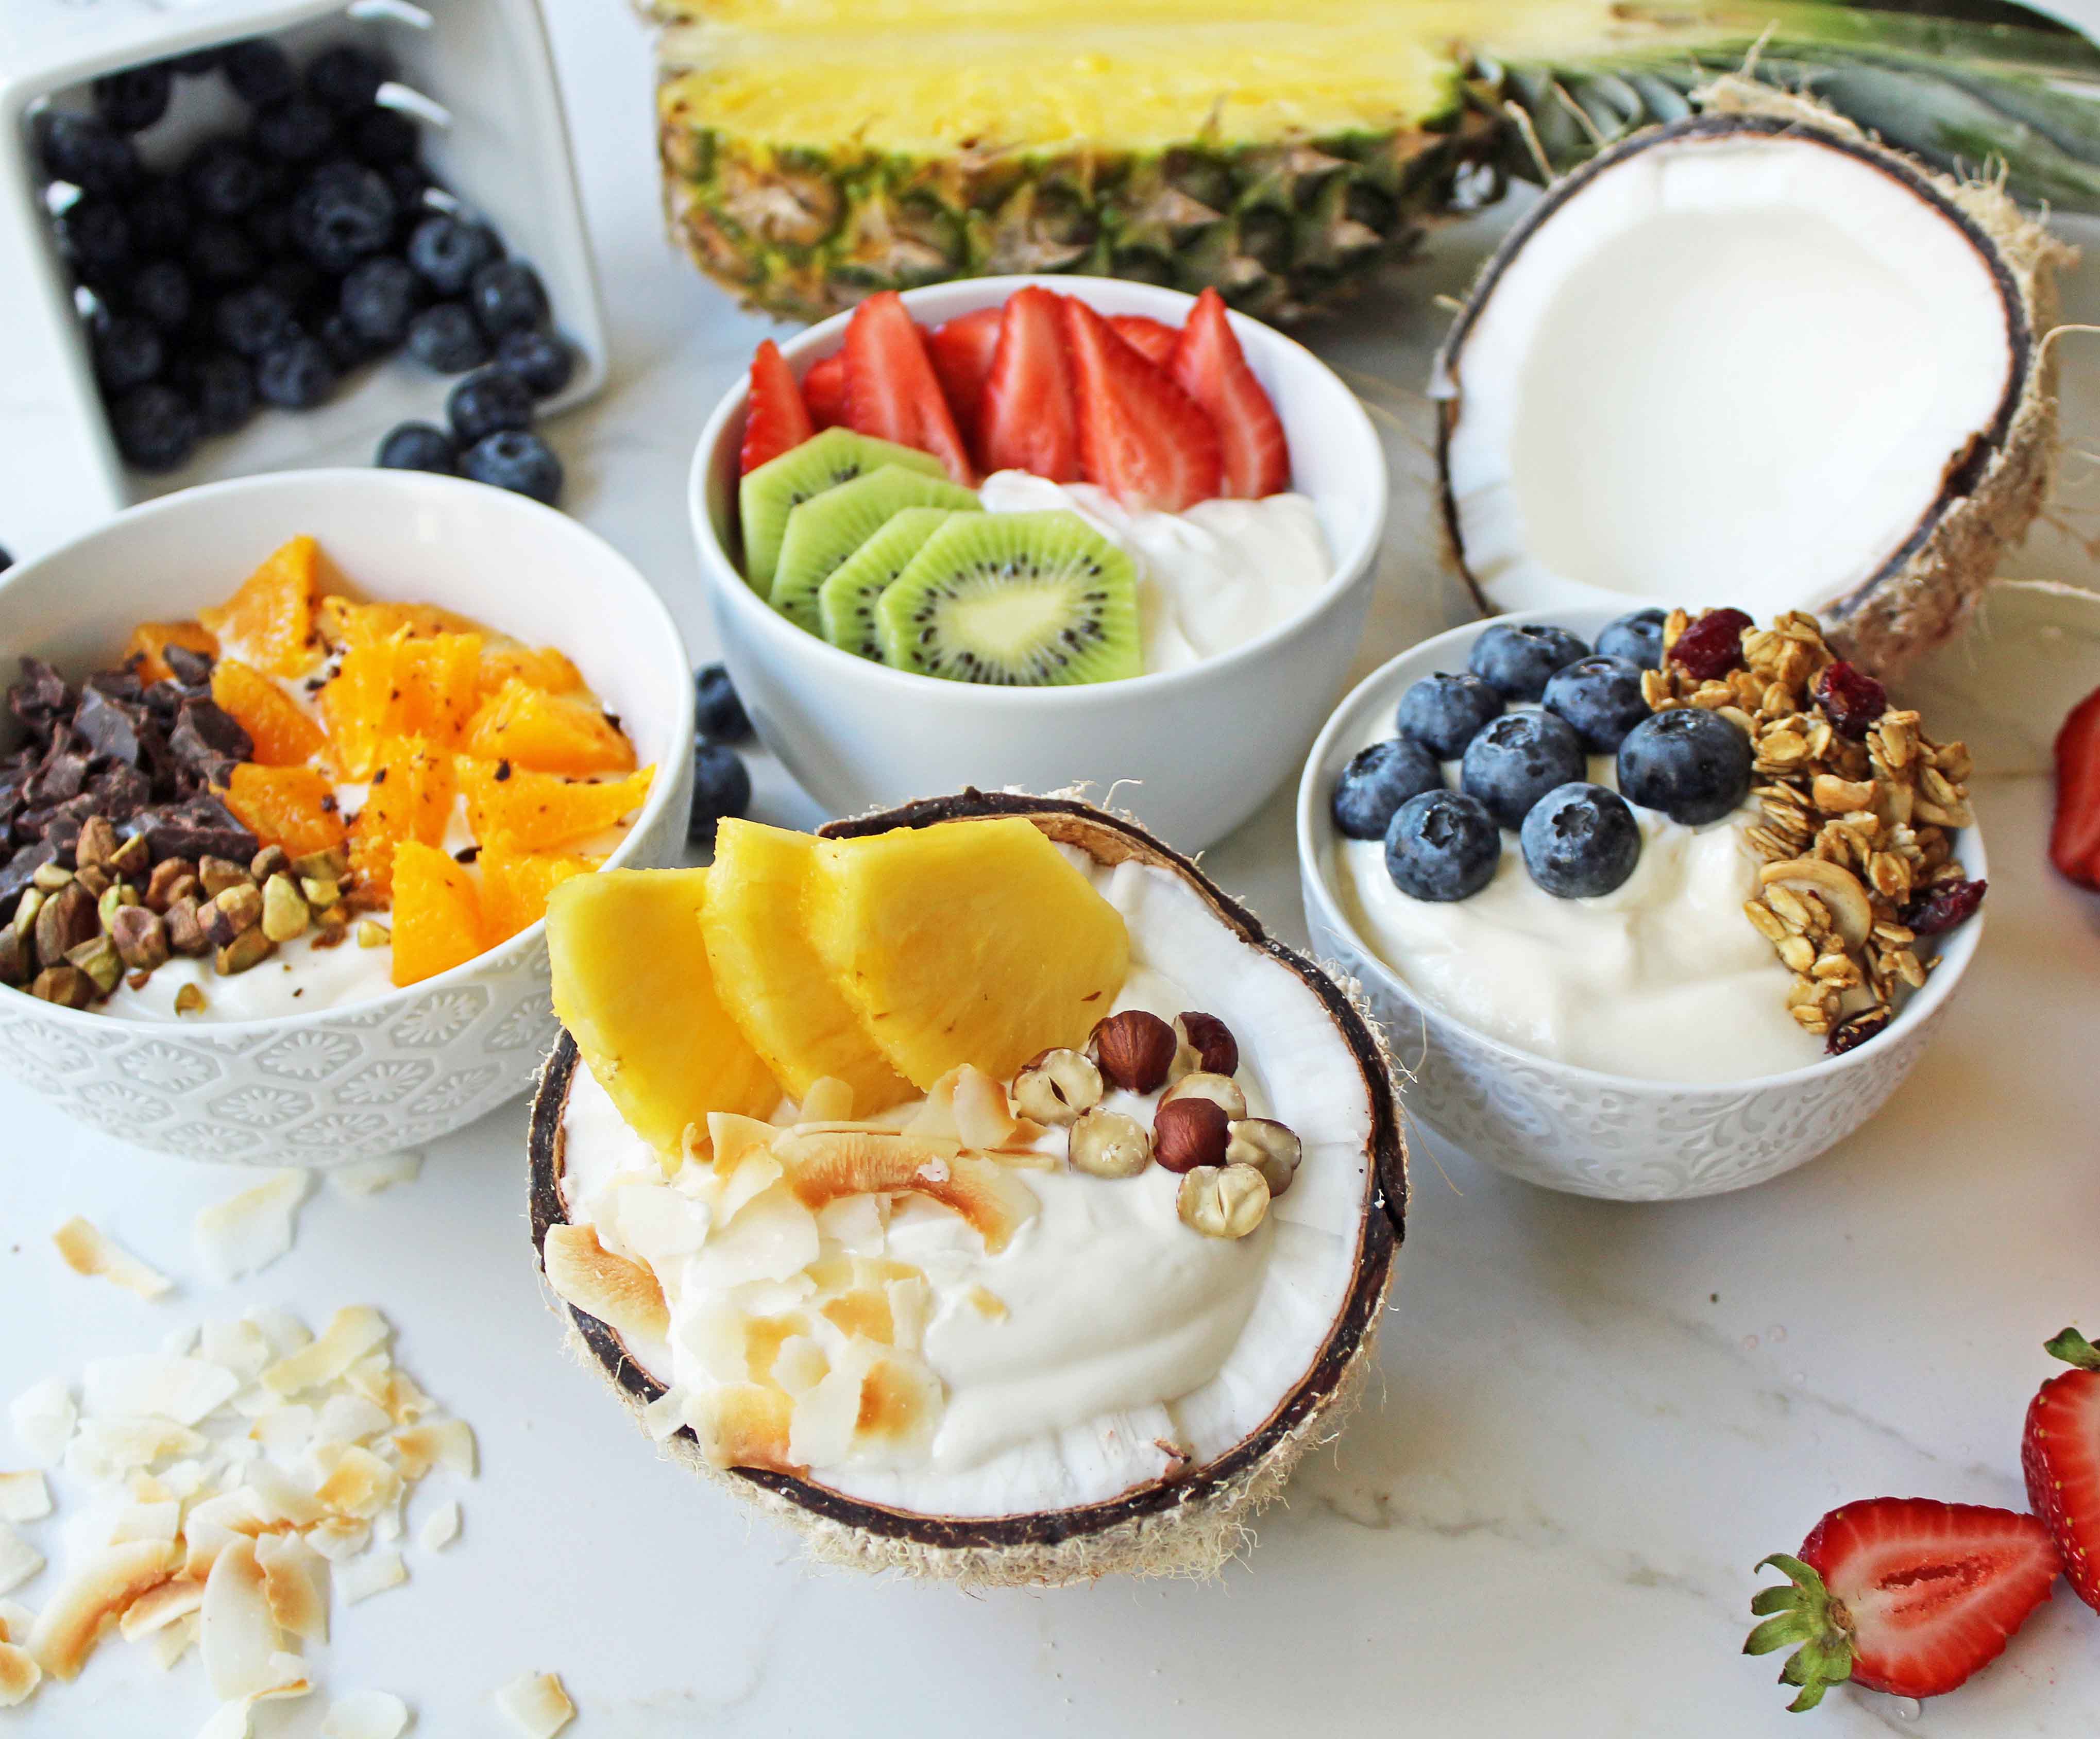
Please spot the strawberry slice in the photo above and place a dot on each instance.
(2061, 1453)
(1902, 1595)
(824, 390)
(891, 391)
(1031, 419)
(2074, 842)
(1141, 438)
(961, 350)
(775, 419)
(1153, 340)
(1211, 368)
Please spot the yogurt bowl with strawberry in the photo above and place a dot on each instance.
(1116, 536)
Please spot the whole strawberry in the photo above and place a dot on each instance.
(1902, 1595)
(2061, 1453)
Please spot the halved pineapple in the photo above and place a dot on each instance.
(632, 986)
(970, 941)
(770, 979)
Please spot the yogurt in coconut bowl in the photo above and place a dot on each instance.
(1029, 1211)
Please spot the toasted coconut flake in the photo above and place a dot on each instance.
(89, 1250)
(365, 1177)
(18, 1560)
(170, 1645)
(754, 1175)
(16, 1622)
(74, 1619)
(293, 1585)
(536, 1704)
(380, 1384)
(285, 1333)
(366, 1715)
(43, 1416)
(158, 1608)
(279, 1499)
(745, 1425)
(182, 1390)
(240, 1345)
(228, 1721)
(735, 1139)
(339, 1538)
(441, 1527)
(373, 1573)
(246, 1232)
(105, 1449)
(351, 1332)
(622, 1294)
(351, 1419)
(823, 1167)
(19, 1674)
(448, 1443)
(660, 1225)
(284, 1430)
(160, 1521)
(821, 1432)
(854, 1222)
(359, 1484)
(239, 1636)
(983, 1118)
(24, 1497)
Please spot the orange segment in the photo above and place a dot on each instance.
(514, 886)
(345, 621)
(293, 807)
(547, 734)
(543, 668)
(283, 735)
(410, 797)
(146, 651)
(401, 686)
(519, 810)
(437, 919)
(271, 615)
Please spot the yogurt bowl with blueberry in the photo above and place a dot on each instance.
(1672, 899)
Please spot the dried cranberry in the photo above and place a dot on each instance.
(1941, 909)
(1713, 645)
(1850, 1035)
(1851, 700)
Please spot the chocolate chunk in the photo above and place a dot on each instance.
(15, 874)
(109, 727)
(205, 733)
(117, 684)
(193, 668)
(200, 826)
(63, 775)
(40, 697)
(120, 792)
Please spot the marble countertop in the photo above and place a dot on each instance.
(1592, 1420)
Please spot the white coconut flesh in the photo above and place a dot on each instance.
(1735, 366)
(1108, 1344)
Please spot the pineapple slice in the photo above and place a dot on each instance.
(769, 979)
(632, 985)
(969, 941)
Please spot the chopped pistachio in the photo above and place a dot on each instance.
(189, 1000)
(50, 877)
(98, 958)
(370, 935)
(284, 913)
(251, 947)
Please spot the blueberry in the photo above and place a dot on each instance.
(1517, 658)
(410, 183)
(84, 150)
(717, 709)
(488, 400)
(1377, 782)
(444, 337)
(1601, 697)
(132, 100)
(1442, 712)
(1517, 758)
(198, 63)
(448, 252)
(297, 375)
(156, 429)
(540, 359)
(259, 71)
(346, 78)
(1638, 637)
(507, 297)
(220, 253)
(223, 386)
(1442, 846)
(418, 447)
(128, 353)
(345, 349)
(159, 216)
(160, 292)
(97, 237)
(1691, 763)
(1580, 840)
(222, 179)
(306, 292)
(253, 321)
(379, 299)
(383, 137)
(721, 788)
(516, 459)
(295, 130)
(269, 227)
(343, 212)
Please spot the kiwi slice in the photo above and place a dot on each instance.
(767, 496)
(827, 528)
(845, 602)
(1025, 600)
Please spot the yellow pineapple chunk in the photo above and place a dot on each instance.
(965, 942)
(769, 977)
(632, 987)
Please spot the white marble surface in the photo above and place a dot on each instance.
(1593, 1418)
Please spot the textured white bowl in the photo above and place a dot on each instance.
(1201, 746)
(1578, 1129)
(337, 1085)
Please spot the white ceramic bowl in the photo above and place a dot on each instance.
(1201, 747)
(343, 1083)
(1579, 1129)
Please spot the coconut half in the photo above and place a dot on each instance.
(1755, 358)
(1164, 1489)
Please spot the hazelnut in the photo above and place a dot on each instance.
(1056, 1086)
(141, 938)
(66, 985)
(1188, 1132)
(1223, 1201)
(1273, 1149)
(160, 890)
(1221, 1090)
(1217, 1051)
(1134, 1049)
(1107, 1144)
(97, 844)
(219, 874)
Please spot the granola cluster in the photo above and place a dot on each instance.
(1860, 810)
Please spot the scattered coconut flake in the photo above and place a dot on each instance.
(24, 1497)
(240, 1636)
(441, 1527)
(162, 1520)
(182, 1390)
(88, 1250)
(351, 1419)
(358, 1483)
(365, 1177)
(169, 1644)
(373, 1573)
(179, 1343)
(366, 1715)
(665, 1416)
(18, 1560)
(107, 1449)
(284, 1430)
(351, 1332)
(292, 1584)
(73, 1621)
(158, 1608)
(240, 1345)
(536, 1704)
(448, 1443)
(284, 1332)
(16, 1622)
(19, 1674)
(228, 1721)
(43, 1416)
(247, 1231)
(339, 1538)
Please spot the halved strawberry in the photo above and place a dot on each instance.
(891, 391)
(1030, 418)
(824, 390)
(2074, 842)
(961, 350)
(1153, 340)
(1902, 1595)
(1210, 366)
(776, 418)
(1141, 438)
(2061, 1453)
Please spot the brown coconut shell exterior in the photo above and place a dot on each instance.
(1926, 588)
(1189, 1525)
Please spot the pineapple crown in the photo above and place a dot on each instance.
(1802, 1611)
(2074, 1349)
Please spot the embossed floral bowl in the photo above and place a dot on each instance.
(1615, 1136)
(347, 1083)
